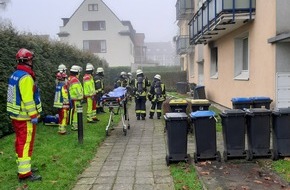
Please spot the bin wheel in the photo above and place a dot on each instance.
(128, 126)
(218, 156)
(107, 133)
(274, 154)
(225, 155)
(167, 160)
(195, 157)
(249, 155)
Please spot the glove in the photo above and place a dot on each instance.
(34, 120)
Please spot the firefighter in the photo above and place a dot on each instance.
(60, 69)
(24, 108)
(76, 94)
(122, 81)
(90, 93)
(156, 95)
(130, 85)
(99, 86)
(61, 101)
(140, 91)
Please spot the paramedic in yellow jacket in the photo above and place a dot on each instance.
(24, 107)
(61, 101)
(90, 93)
(76, 94)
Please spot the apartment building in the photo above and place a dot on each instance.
(242, 49)
(95, 28)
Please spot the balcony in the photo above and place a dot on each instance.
(182, 45)
(184, 9)
(217, 18)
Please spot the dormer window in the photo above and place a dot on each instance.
(93, 7)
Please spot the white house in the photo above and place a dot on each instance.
(95, 28)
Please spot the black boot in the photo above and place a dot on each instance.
(32, 178)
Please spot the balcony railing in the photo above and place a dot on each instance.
(218, 17)
(184, 9)
(182, 45)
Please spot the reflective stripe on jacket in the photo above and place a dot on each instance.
(23, 98)
(89, 85)
(61, 96)
(75, 88)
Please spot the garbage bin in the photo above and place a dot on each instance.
(204, 125)
(281, 133)
(258, 132)
(199, 92)
(261, 102)
(178, 105)
(182, 87)
(199, 104)
(234, 130)
(176, 125)
(241, 103)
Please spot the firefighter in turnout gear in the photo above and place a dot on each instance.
(122, 81)
(156, 95)
(90, 93)
(140, 91)
(24, 108)
(60, 69)
(99, 86)
(76, 94)
(61, 101)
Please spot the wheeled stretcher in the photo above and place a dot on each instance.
(116, 101)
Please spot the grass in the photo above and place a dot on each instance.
(59, 158)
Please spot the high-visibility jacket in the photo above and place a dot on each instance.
(89, 85)
(75, 88)
(23, 98)
(99, 84)
(61, 97)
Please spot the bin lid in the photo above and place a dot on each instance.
(260, 98)
(175, 116)
(178, 101)
(200, 101)
(233, 112)
(258, 111)
(241, 100)
(200, 113)
(282, 111)
(197, 87)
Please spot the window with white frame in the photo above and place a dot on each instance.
(94, 25)
(95, 46)
(214, 62)
(93, 7)
(242, 58)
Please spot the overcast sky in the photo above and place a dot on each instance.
(155, 18)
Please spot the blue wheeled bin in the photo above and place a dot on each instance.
(281, 133)
(261, 102)
(234, 130)
(258, 132)
(204, 124)
(176, 127)
(242, 103)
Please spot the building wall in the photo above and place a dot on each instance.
(119, 48)
(261, 64)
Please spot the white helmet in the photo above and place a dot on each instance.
(157, 77)
(100, 69)
(61, 68)
(139, 71)
(89, 67)
(123, 73)
(75, 68)
(129, 74)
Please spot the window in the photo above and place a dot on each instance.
(214, 62)
(95, 46)
(94, 25)
(242, 58)
(93, 7)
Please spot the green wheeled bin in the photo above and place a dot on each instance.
(204, 124)
(176, 125)
(281, 133)
(234, 131)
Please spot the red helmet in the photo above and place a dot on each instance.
(61, 76)
(24, 55)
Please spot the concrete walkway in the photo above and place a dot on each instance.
(132, 162)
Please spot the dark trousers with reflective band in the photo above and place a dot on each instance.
(140, 106)
(24, 142)
(157, 105)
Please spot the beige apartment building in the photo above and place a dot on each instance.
(241, 49)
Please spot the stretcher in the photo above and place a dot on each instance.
(116, 101)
